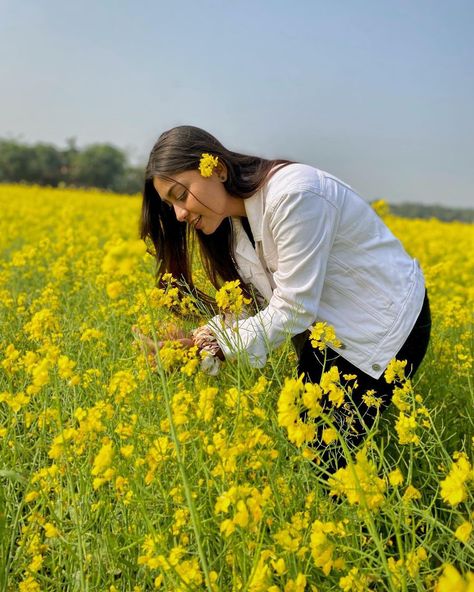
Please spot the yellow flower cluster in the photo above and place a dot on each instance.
(291, 536)
(409, 565)
(174, 354)
(413, 415)
(205, 409)
(249, 445)
(269, 572)
(355, 581)
(159, 452)
(246, 503)
(230, 298)
(207, 164)
(187, 570)
(122, 258)
(454, 487)
(101, 470)
(300, 404)
(360, 483)
(463, 532)
(452, 581)
(321, 335)
(324, 537)
(295, 396)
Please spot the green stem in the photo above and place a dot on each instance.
(367, 515)
(184, 478)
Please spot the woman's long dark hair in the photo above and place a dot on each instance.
(177, 150)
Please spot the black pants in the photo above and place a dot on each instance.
(312, 362)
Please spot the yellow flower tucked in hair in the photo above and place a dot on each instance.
(207, 164)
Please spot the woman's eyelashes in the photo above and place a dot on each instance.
(179, 198)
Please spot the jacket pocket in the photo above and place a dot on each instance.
(364, 300)
(361, 286)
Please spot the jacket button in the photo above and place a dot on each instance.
(376, 367)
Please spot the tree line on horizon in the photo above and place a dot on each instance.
(106, 167)
(102, 166)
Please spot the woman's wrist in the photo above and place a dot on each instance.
(206, 341)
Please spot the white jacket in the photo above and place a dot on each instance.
(322, 254)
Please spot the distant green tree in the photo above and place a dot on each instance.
(133, 180)
(46, 165)
(98, 165)
(417, 210)
(15, 161)
(69, 155)
(40, 164)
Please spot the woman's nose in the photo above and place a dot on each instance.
(181, 213)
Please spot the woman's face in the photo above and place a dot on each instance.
(200, 201)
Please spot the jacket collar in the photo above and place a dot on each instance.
(243, 246)
(248, 261)
(254, 209)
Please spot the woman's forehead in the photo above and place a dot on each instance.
(162, 186)
(165, 183)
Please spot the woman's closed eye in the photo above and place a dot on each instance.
(183, 196)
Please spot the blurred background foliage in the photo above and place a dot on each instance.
(102, 166)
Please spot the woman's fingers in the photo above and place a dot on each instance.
(149, 345)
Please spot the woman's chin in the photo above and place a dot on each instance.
(207, 228)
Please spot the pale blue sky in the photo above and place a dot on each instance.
(378, 92)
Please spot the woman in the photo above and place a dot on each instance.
(304, 245)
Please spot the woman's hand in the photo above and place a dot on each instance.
(149, 346)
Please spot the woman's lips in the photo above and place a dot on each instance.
(197, 222)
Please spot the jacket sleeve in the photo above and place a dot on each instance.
(303, 225)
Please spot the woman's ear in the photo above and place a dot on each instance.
(221, 171)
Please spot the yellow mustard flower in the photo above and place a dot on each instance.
(452, 581)
(411, 493)
(296, 585)
(322, 335)
(230, 298)
(360, 483)
(29, 584)
(395, 477)
(395, 371)
(207, 164)
(405, 427)
(323, 546)
(355, 581)
(463, 532)
(453, 487)
(50, 530)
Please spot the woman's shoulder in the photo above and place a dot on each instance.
(298, 178)
(295, 177)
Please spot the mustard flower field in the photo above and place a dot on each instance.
(124, 472)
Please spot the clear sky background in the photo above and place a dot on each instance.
(378, 92)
